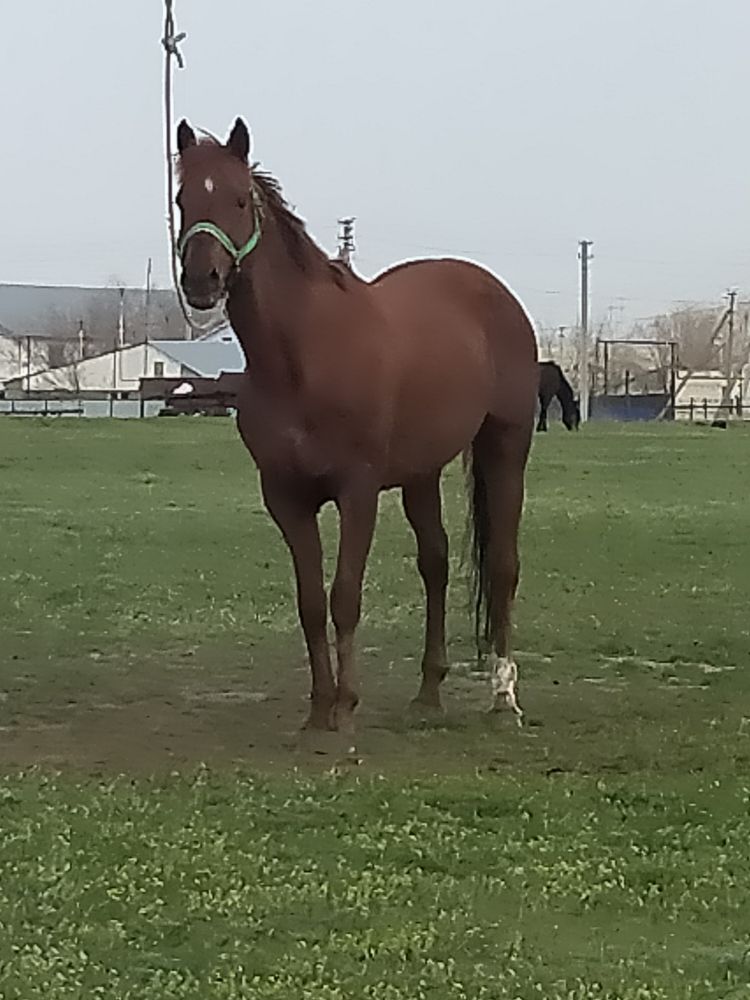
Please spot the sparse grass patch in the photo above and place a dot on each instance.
(230, 886)
(598, 854)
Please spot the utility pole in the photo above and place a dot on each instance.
(121, 319)
(724, 410)
(585, 256)
(729, 359)
(147, 317)
(347, 246)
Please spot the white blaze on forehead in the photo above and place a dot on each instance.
(208, 184)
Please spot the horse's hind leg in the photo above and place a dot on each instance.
(504, 450)
(422, 505)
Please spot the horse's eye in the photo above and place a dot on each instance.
(242, 202)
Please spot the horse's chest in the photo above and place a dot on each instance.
(286, 445)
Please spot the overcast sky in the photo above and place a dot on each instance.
(504, 130)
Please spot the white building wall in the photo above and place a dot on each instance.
(707, 389)
(144, 361)
(118, 371)
(18, 355)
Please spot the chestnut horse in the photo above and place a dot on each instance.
(353, 387)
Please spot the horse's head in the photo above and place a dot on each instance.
(220, 221)
(572, 416)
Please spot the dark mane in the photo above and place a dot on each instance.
(301, 247)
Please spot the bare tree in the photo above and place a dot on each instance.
(66, 376)
(647, 368)
(154, 316)
(692, 329)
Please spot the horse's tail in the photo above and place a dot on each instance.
(478, 539)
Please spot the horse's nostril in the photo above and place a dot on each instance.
(214, 275)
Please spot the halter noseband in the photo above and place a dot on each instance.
(237, 254)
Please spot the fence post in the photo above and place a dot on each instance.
(142, 407)
(692, 409)
(111, 404)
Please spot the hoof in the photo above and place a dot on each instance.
(504, 678)
(500, 706)
(321, 719)
(343, 720)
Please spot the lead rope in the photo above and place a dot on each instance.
(171, 41)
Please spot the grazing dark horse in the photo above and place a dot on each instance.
(353, 387)
(552, 382)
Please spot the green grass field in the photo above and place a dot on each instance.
(161, 836)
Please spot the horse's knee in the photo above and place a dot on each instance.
(432, 561)
(346, 604)
(313, 611)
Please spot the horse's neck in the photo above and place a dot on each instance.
(565, 397)
(269, 307)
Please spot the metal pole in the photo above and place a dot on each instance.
(121, 318)
(585, 257)
(724, 410)
(730, 337)
(347, 245)
(673, 378)
(606, 368)
(147, 317)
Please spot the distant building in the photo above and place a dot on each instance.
(704, 390)
(121, 370)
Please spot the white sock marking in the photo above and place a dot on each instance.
(504, 678)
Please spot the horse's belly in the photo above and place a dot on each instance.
(432, 439)
(441, 407)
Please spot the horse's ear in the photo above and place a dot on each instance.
(185, 137)
(238, 143)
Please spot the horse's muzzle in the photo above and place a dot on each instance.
(203, 291)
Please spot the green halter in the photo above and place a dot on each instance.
(237, 254)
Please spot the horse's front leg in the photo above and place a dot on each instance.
(298, 521)
(542, 422)
(358, 506)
